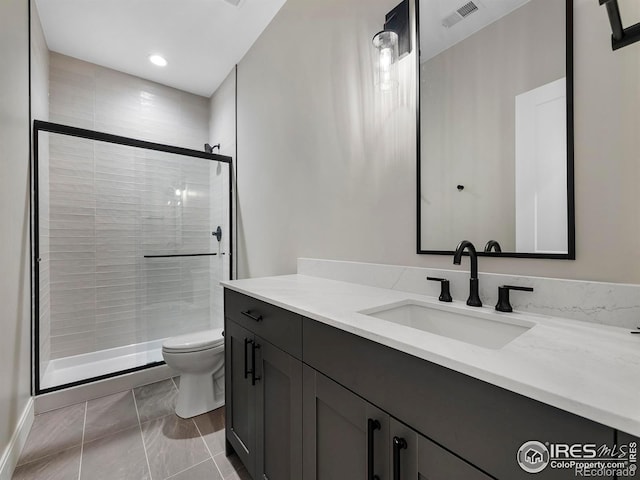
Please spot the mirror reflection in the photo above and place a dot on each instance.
(494, 162)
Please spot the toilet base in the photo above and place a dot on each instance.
(197, 395)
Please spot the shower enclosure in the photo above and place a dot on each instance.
(130, 242)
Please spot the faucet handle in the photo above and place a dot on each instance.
(445, 294)
(503, 304)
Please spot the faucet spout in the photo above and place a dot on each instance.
(473, 256)
(474, 297)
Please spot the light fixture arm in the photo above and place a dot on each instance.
(620, 36)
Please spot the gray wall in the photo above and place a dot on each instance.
(222, 130)
(316, 180)
(14, 215)
(324, 159)
(40, 111)
(467, 100)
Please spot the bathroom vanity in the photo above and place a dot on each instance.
(319, 387)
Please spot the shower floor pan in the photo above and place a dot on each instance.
(63, 371)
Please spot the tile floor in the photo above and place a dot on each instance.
(133, 435)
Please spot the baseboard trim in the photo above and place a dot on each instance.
(11, 454)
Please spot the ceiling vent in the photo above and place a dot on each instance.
(459, 15)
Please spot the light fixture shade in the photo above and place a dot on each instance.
(386, 58)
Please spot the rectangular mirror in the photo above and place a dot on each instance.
(495, 156)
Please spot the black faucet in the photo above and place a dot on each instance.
(474, 297)
(492, 245)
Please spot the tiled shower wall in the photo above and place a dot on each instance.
(112, 205)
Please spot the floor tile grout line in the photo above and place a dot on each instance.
(189, 468)
(207, 447)
(84, 427)
(55, 452)
(144, 445)
(114, 432)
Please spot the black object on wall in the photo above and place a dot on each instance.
(620, 36)
(397, 20)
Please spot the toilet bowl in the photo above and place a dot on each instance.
(199, 358)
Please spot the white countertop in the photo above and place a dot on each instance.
(586, 369)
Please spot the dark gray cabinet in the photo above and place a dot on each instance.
(278, 414)
(263, 387)
(370, 412)
(477, 421)
(240, 401)
(345, 437)
(414, 456)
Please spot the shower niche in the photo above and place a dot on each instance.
(131, 239)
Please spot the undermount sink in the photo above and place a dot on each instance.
(480, 328)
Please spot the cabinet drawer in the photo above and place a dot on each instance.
(276, 325)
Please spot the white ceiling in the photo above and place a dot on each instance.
(435, 38)
(201, 39)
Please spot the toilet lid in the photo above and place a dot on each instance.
(193, 342)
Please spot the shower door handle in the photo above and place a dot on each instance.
(254, 346)
(247, 341)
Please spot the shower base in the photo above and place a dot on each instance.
(68, 370)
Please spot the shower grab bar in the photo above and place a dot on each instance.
(182, 255)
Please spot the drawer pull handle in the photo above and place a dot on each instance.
(398, 444)
(247, 342)
(254, 378)
(372, 426)
(257, 318)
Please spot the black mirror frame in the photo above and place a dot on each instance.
(571, 223)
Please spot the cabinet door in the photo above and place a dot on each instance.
(240, 401)
(345, 437)
(278, 414)
(416, 457)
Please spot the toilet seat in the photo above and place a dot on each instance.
(194, 342)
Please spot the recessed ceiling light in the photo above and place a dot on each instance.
(158, 60)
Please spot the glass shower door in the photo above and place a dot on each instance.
(128, 251)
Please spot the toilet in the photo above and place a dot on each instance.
(199, 358)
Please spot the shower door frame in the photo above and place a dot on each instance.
(43, 126)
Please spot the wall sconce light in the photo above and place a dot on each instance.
(386, 72)
(392, 44)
